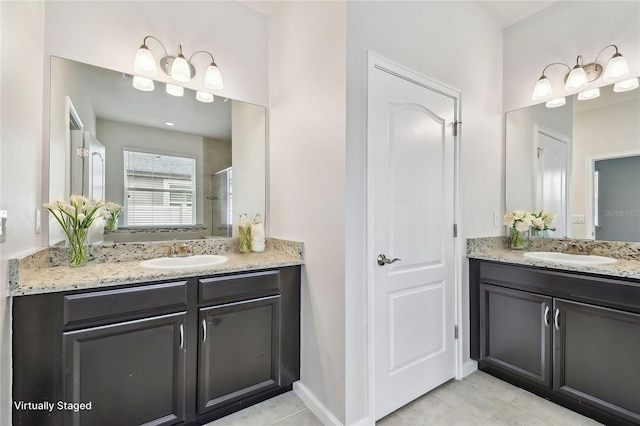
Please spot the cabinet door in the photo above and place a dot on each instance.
(596, 357)
(239, 351)
(515, 333)
(132, 372)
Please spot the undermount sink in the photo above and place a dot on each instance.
(569, 259)
(186, 262)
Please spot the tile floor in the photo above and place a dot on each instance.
(479, 399)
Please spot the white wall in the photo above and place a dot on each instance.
(458, 45)
(307, 89)
(560, 33)
(116, 136)
(248, 128)
(21, 80)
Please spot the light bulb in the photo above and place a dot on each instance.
(577, 79)
(555, 103)
(143, 83)
(589, 94)
(213, 78)
(145, 63)
(174, 90)
(626, 85)
(617, 68)
(543, 90)
(204, 97)
(180, 70)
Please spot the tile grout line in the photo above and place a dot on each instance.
(290, 415)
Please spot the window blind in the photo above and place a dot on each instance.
(159, 189)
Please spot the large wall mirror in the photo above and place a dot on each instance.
(181, 168)
(580, 161)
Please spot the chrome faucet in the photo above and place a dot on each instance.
(180, 250)
(573, 249)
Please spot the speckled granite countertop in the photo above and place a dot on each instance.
(626, 254)
(40, 273)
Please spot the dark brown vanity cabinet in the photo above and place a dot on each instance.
(180, 352)
(570, 337)
(516, 333)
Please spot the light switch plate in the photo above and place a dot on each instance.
(496, 219)
(577, 218)
(38, 221)
(3, 226)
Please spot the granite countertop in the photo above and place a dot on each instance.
(626, 254)
(35, 277)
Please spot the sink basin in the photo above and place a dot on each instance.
(187, 262)
(569, 259)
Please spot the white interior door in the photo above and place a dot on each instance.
(551, 181)
(96, 172)
(411, 146)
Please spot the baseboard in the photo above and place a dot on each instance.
(316, 407)
(365, 421)
(469, 367)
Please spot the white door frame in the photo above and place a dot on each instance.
(376, 61)
(591, 168)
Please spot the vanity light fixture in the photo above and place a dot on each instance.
(626, 85)
(204, 97)
(555, 103)
(581, 75)
(174, 90)
(177, 67)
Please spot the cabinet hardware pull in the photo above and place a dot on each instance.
(181, 336)
(546, 316)
(557, 319)
(204, 330)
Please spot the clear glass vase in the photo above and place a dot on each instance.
(244, 238)
(519, 239)
(111, 224)
(78, 247)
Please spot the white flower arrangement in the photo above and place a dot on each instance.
(519, 219)
(75, 218)
(521, 222)
(110, 212)
(542, 220)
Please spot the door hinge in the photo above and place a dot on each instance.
(455, 230)
(455, 332)
(82, 152)
(456, 124)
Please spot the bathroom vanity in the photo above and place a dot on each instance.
(570, 336)
(184, 350)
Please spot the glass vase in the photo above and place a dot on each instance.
(539, 233)
(111, 224)
(78, 247)
(519, 239)
(244, 238)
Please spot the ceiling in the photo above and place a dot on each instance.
(505, 13)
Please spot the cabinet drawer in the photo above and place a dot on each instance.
(102, 305)
(234, 286)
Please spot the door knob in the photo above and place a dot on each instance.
(382, 260)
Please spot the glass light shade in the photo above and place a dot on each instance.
(213, 78)
(143, 83)
(204, 97)
(180, 70)
(626, 85)
(145, 63)
(543, 90)
(577, 79)
(555, 103)
(174, 90)
(589, 94)
(617, 68)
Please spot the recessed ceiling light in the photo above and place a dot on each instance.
(168, 123)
